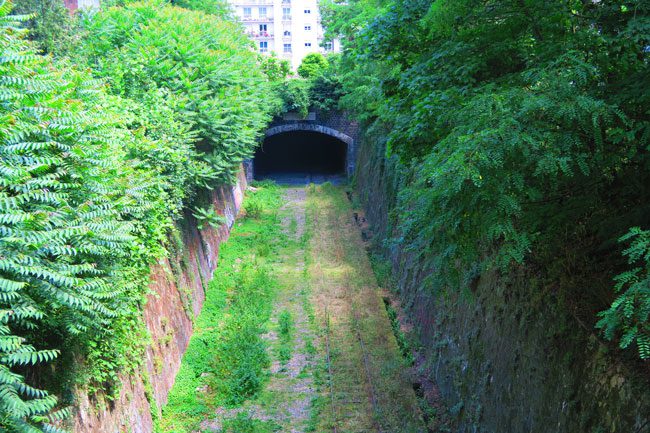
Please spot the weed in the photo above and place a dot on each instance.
(285, 323)
(326, 187)
(382, 270)
(285, 328)
(263, 250)
(284, 353)
(402, 340)
(309, 347)
(254, 208)
(268, 184)
(208, 217)
(244, 423)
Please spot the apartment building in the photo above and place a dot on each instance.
(290, 28)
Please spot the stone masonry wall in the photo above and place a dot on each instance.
(178, 287)
(509, 357)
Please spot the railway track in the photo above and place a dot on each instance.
(368, 392)
(337, 409)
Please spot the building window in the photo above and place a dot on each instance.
(307, 11)
(287, 33)
(287, 48)
(286, 13)
(307, 28)
(262, 27)
(247, 12)
(264, 47)
(262, 12)
(308, 44)
(328, 46)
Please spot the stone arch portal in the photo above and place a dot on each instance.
(317, 148)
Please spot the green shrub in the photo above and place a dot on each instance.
(312, 65)
(72, 213)
(294, 94)
(246, 380)
(244, 423)
(254, 208)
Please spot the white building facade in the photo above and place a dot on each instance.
(290, 28)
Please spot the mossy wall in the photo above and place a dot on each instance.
(177, 292)
(506, 352)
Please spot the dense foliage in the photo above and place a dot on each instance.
(230, 361)
(95, 165)
(214, 7)
(318, 86)
(196, 67)
(295, 96)
(326, 87)
(66, 199)
(49, 23)
(523, 133)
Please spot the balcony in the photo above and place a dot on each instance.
(254, 2)
(257, 19)
(260, 35)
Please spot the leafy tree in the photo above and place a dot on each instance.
(518, 129)
(203, 61)
(220, 8)
(90, 183)
(66, 198)
(327, 87)
(313, 65)
(275, 69)
(49, 24)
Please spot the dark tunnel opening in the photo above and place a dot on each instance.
(300, 156)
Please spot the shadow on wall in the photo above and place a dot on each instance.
(301, 155)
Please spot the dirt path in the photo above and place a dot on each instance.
(335, 365)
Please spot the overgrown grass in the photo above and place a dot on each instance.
(226, 361)
(356, 329)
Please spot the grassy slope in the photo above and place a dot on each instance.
(226, 360)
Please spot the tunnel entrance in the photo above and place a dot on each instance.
(301, 157)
